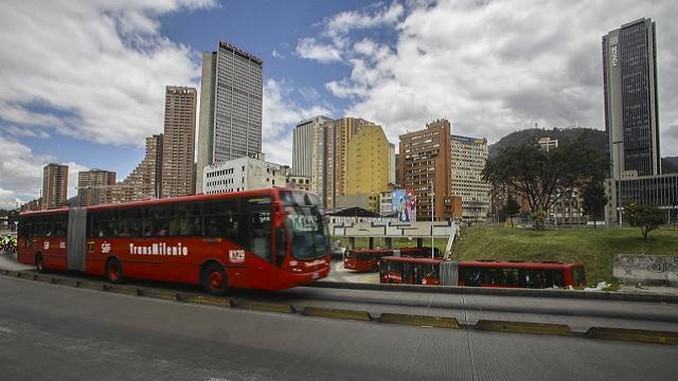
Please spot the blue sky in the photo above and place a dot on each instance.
(83, 81)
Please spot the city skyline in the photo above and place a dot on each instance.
(87, 91)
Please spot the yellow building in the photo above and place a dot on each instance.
(368, 163)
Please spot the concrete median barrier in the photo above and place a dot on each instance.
(160, 294)
(206, 300)
(126, 290)
(265, 307)
(337, 313)
(89, 285)
(637, 335)
(518, 327)
(420, 320)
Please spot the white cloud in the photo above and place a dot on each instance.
(492, 67)
(309, 48)
(280, 116)
(276, 54)
(93, 70)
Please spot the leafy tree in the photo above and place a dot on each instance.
(542, 177)
(595, 199)
(511, 208)
(646, 217)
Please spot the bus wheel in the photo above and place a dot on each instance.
(39, 263)
(214, 279)
(114, 271)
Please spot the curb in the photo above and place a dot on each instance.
(420, 320)
(333, 313)
(516, 327)
(637, 335)
(205, 300)
(159, 294)
(265, 307)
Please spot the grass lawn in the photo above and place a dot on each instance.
(592, 247)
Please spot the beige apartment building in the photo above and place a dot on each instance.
(425, 167)
(95, 187)
(178, 143)
(54, 186)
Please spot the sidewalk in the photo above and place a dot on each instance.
(8, 262)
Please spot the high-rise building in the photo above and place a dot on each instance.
(95, 187)
(337, 135)
(178, 143)
(54, 186)
(631, 103)
(230, 107)
(142, 183)
(425, 167)
(368, 162)
(308, 147)
(468, 161)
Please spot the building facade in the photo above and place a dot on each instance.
(244, 174)
(368, 164)
(468, 161)
(231, 97)
(54, 186)
(425, 167)
(308, 148)
(337, 134)
(631, 99)
(95, 187)
(178, 143)
(142, 183)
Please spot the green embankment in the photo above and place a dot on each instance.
(592, 247)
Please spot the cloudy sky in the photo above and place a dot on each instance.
(83, 81)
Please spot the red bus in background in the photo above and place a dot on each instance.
(266, 239)
(428, 271)
(367, 260)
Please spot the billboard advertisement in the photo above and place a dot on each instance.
(404, 205)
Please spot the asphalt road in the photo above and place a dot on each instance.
(64, 333)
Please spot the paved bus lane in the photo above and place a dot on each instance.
(57, 332)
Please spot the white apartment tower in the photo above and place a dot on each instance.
(468, 161)
(230, 107)
(308, 151)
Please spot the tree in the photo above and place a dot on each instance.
(646, 217)
(542, 177)
(511, 208)
(595, 199)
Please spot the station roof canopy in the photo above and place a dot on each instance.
(352, 212)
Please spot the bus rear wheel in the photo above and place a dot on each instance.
(114, 271)
(214, 279)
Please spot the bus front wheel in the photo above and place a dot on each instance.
(214, 279)
(114, 271)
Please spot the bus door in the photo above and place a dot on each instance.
(259, 230)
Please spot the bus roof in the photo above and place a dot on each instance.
(546, 265)
(428, 261)
(174, 200)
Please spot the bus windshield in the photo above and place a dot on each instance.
(306, 225)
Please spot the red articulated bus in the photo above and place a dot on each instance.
(267, 239)
(428, 271)
(367, 260)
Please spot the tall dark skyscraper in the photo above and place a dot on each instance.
(231, 100)
(631, 103)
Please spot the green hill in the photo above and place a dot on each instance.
(592, 247)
